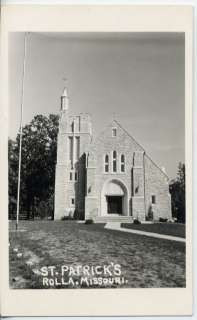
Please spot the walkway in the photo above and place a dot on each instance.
(116, 226)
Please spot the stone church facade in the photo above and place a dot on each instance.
(108, 177)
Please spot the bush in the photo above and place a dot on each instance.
(136, 221)
(163, 219)
(67, 218)
(149, 217)
(78, 215)
(89, 221)
(45, 209)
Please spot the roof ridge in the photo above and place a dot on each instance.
(142, 149)
(130, 135)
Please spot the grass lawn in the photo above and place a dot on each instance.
(171, 229)
(145, 262)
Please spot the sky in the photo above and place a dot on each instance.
(136, 78)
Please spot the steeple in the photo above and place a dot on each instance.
(64, 100)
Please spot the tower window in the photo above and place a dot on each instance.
(70, 148)
(73, 176)
(72, 126)
(87, 160)
(106, 163)
(77, 148)
(122, 163)
(72, 201)
(114, 161)
(153, 199)
(114, 132)
(76, 176)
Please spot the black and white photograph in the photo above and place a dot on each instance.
(96, 156)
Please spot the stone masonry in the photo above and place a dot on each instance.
(106, 177)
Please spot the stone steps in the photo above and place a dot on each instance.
(121, 219)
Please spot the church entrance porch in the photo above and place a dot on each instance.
(114, 204)
(114, 199)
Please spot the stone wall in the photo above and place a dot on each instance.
(157, 184)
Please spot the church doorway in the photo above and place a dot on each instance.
(114, 204)
(114, 198)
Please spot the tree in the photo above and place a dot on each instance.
(12, 177)
(39, 147)
(177, 190)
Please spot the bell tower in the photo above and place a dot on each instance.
(64, 100)
(74, 137)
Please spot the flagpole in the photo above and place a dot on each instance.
(21, 133)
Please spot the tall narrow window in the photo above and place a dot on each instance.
(153, 198)
(114, 163)
(72, 126)
(76, 176)
(70, 148)
(72, 201)
(106, 163)
(114, 132)
(122, 163)
(77, 148)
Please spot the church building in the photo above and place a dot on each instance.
(107, 178)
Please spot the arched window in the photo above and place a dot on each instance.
(122, 163)
(114, 161)
(106, 163)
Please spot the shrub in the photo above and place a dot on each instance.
(89, 221)
(78, 215)
(149, 217)
(136, 221)
(163, 219)
(67, 218)
(173, 220)
(45, 209)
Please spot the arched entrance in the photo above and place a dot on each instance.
(114, 198)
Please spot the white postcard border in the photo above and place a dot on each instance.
(106, 302)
